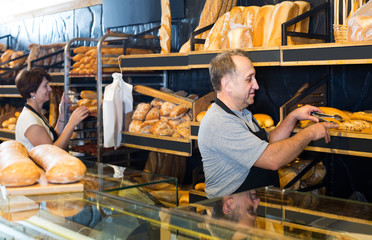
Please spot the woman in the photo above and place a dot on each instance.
(32, 127)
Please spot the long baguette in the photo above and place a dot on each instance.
(165, 29)
(59, 166)
(16, 169)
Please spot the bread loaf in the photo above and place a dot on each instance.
(361, 116)
(165, 28)
(6, 56)
(178, 111)
(302, 26)
(263, 21)
(166, 108)
(16, 169)
(335, 111)
(135, 126)
(59, 166)
(240, 37)
(18, 62)
(283, 12)
(153, 114)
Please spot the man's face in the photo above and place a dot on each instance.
(247, 204)
(243, 82)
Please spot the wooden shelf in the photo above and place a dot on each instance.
(307, 55)
(7, 134)
(346, 143)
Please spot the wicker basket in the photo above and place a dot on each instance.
(339, 32)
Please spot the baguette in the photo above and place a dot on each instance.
(16, 169)
(165, 29)
(59, 166)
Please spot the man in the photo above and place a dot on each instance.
(236, 153)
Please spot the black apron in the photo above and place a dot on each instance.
(55, 135)
(257, 177)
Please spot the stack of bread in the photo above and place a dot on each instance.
(38, 51)
(10, 59)
(88, 99)
(351, 121)
(162, 118)
(254, 26)
(312, 177)
(17, 167)
(86, 59)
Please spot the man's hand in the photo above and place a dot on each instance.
(303, 113)
(321, 130)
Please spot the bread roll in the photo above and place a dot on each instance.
(147, 125)
(166, 108)
(88, 94)
(162, 129)
(82, 49)
(286, 174)
(16, 169)
(141, 111)
(157, 102)
(262, 24)
(354, 125)
(200, 186)
(84, 102)
(178, 111)
(135, 126)
(6, 56)
(153, 114)
(59, 166)
(165, 28)
(283, 12)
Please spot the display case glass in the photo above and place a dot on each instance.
(291, 213)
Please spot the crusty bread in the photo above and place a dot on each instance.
(165, 29)
(135, 126)
(178, 111)
(141, 111)
(361, 116)
(161, 128)
(153, 114)
(250, 15)
(166, 108)
(283, 12)
(354, 125)
(16, 169)
(59, 166)
(240, 37)
(335, 111)
(262, 23)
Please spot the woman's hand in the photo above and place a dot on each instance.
(79, 115)
(62, 107)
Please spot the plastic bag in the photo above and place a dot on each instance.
(117, 101)
(359, 27)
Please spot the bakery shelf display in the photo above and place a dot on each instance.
(163, 125)
(294, 55)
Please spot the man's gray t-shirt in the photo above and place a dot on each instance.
(228, 148)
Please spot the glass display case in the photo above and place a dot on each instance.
(290, 213)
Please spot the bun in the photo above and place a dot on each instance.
(59, 166)
(147, 125)
(200, 116)
(84, 102)
(162, 129)
(16, 169)
(157, 102)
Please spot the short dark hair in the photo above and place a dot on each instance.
(28, 81)
(223, 65)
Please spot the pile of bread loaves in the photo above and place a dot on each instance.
(162, 118)
(18, 166)
(9, 59)
(86, 59)
(351, 121)
(254, 26)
